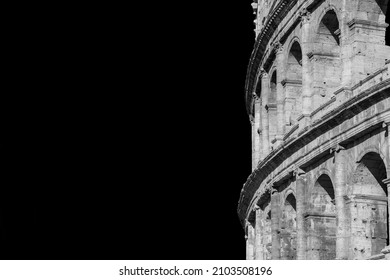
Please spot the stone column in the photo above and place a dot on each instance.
(280, 93)
(387, 180)
(275, 217)
(253, 129)
(301, 186)
(247, 247)
(264, 114)
(343, 222)
(259, 254)
(386, 250)
(257, 130)
(346, 43)
(307, 75)
(367, 32)
(250, 241)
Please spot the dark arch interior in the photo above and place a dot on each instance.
(290, 199)
(328, 26)
(325, 182)
(295, 54)
(272, 97)
(252, 218)
(294, 70)
(383, 8)
(258, 88)
(321, 226)
(294, 73)
(375, 165)
(264, 205)
(288, 229)
(267, 237)
(368, 180)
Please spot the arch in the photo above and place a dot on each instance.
(322, 171)
(295, 59)
(293, 40)
(272, 85)
(368, 198)
(291, 201)
(258, 86)
(326, 66)
(288, 191)
(271, 106)
(371, 149)
(327, 33)
(293, 83)
(328, 10)
(320, 221)
(288, 230)
(272, 69)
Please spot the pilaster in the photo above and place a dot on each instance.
(259, 254)
(307, 79)
(280, 93)
(301, 185)
(386, 125)
(264, 114)
(342, 221)
(256, 130)
(250, 241)
(387, 182)
(275, 218)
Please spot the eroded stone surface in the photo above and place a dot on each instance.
(318, 96)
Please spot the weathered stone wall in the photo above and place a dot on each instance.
(318, 95)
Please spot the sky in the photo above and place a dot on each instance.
(142, 144)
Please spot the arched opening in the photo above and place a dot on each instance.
(328, 30)
(368, 207)
(271, 106)
(293, 84)
(288, 233)
(320, 221)
(326, 59)
(376, 13)
(273, 83)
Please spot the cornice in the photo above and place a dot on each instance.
(274, 19)
(271, 25)
(366, 24)
(332, 119)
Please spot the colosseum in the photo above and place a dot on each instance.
(318, 98)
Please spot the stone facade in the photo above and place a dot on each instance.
(318, 98)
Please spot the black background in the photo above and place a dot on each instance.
(137, 142)
(134, 142)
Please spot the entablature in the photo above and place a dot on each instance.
(298, 149)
